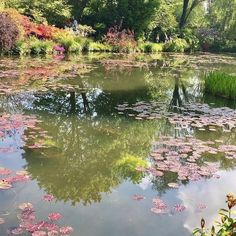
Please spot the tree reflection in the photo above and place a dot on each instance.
(84, 163)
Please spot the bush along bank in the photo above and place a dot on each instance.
(20, 35)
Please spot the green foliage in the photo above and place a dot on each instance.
(34, 46)
(127, 166)
(68, 41)
(134, 14)
(192, 40)
(221, 84)
(222, 16)
(225, 227)
(55, 12)
(99, 47)
(150, 47)
(164, 22)
(176, 45)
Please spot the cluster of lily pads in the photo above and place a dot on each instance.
(27, 217)
(184, 156)
(8, 178)
(188, 157)
(195, 115)
(26, 126)
(29, 224)
(39, 76)
(161, 207)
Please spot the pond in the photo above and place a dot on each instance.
(117, 144)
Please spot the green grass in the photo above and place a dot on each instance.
(221, 84)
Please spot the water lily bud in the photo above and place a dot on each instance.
(212, 231)
(202, 223)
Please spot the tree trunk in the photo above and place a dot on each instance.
(184, 14)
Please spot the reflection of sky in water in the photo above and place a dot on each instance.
(209, 192)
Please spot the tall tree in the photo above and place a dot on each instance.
(188, 7)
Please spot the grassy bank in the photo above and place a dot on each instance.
(221, 84)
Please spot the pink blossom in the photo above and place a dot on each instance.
(54, 216)
(48, 198)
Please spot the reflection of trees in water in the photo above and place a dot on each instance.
(83, 164)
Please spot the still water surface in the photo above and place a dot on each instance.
(92, 150)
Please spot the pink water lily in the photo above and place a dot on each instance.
(179, 208)
(39, 233)
(54, 216)
(48, 198)
(66, 230)
(4, 171)
(2, 221)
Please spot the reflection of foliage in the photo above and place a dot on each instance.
(86, 156)
(126, 167)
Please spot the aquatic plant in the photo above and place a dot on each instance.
(226, 226)
(220, 84)
(29, 224)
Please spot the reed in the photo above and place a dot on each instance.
(221, 84)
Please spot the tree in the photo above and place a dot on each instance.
(42, 10)
(134, 14)
(188, 7)
(165, 21)
(222, 16)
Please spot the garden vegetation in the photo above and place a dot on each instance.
(41, 27)
(221, 84)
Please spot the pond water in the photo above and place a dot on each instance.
(126, 145)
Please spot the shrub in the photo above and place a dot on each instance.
(9, 32)
(35, 46)
(221, 84)
(99, 47)
(176, 45)
(192, 40)
(84, 43)
(67, 40)
(121, 40)
(150, 47)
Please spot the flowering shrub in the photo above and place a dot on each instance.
(27, 28)
(40, 31)
(121, 40)
(9, 32)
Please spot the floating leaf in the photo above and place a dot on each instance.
(137, 197)
(4, 185)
